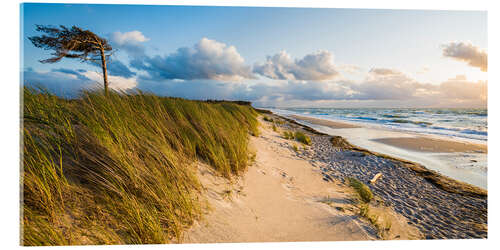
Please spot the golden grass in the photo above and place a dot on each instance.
(118, 169)
(362, 189)
(298, 136)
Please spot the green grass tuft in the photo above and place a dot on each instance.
(119, 169)
(363, 190)
(267, 119)
(275, 129)
(287, 135)
(301, 137)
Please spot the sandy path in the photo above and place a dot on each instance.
(278, 199)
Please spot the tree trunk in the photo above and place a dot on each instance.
(104, 72)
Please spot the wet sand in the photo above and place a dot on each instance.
(424, 144)
(463, 161)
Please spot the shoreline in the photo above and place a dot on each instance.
(455, 159)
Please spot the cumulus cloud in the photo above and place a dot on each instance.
(318, 66)
(424, 70)
(76, 73)
(379, 88)
(68, 83)
(116, 68)
(128, 37)
(384, 72)
(62, 82)
(459, 88)
(349, 68)
(466, 52)
(131, 42)
(208, 59)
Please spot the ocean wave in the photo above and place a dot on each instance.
(462, 123)
(366, 118)
(412, 122)
(395, 116)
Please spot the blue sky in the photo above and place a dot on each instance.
(317, 57)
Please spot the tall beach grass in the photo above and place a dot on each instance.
(120, 169)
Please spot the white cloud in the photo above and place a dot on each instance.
(317, 66)
(128, 37)
(68, 83)
(131, 42)
(384, 72)
(424, 70)
(349, 68)
(459, 88)
(466, 52)
(208, 59)
(115, 82)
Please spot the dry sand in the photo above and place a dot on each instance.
(425, 144)
(283, 198)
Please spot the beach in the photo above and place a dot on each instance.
(294, 192)
(461, 159)
(286, 196)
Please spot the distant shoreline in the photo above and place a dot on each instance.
(442, 181)
(456, 159)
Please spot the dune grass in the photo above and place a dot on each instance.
(267, 119)
(119, 169)
(301, 137)
(298, 136)
(362, 189)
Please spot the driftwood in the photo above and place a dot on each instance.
(376, 177)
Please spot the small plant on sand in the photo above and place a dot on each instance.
(255, 132)
(295, 148)
(275, 129)
(301, 137)
(363, 190)
(267, 119)
(364, 209)
(288, 135)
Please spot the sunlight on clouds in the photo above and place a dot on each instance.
(466, 52)
(316, 66)
(128, 37)
(115, 82)
(208, 59)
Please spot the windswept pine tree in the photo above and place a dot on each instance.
(74, 42)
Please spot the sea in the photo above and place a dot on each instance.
(462, 124)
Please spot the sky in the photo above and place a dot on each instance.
(274, 57)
